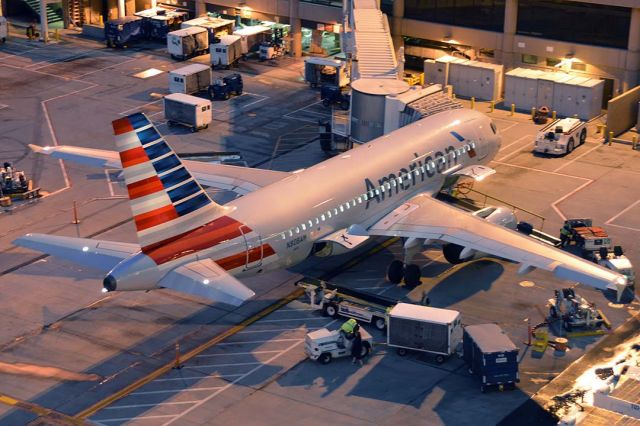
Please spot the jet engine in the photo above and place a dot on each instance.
(455, 253)
(138, 272)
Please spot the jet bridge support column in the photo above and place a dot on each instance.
(296, 28)
(44, 24)
(396, 26)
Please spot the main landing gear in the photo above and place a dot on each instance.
(398, 271)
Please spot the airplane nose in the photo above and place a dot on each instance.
(109, 283)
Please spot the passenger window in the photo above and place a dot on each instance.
(317, 221)
(284, 237)
(359, 200)
(335, 211)
(290, 232)
(297, 230)
(322, 217)
(329, 214)
(310, 224)
(346, 205)
(304, 228)
(353, 203)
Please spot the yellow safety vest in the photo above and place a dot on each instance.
(349, 326)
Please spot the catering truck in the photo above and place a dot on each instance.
(188, 42)
(225, 51)
(190, 79)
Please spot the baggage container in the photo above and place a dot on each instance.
(491, 355)
(225, 51)
(424, 329)
(122, 31)
(320, 71)
(190, 79)
(187, 110)
(188, 42)
(252, 37)
(217, 27)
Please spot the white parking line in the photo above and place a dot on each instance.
(273, 330)
(115, 407)
(292, 319)
(517, 151)
(236, 353)
(213, 395)
(221, 365)
(256, 341)
(124, 419)
(174, 390)
(626, 209)
(577, 158)
(126, 111)
(210, 376)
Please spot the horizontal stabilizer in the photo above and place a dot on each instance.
(87, 156)
(97, 254)
(206, 279)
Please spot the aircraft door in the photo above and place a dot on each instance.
(254, 249)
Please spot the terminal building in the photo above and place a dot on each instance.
(590, 38)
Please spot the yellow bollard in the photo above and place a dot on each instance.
(492, 106)
(513, 109)
(610, 138)
(76, 219)
(600, 128)
(57, 35)
(473, 102)
(634, 141)
(453, 96)
(553, 115)
(533, 113)
(101, 21)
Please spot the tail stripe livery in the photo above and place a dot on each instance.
(164, 196)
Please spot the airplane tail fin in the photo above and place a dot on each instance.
(166, 201)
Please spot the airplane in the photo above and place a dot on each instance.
(386, 187)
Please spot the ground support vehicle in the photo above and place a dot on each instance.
(122, 31)
(331, 94)
(561, 136)
(528, 229)
(491, 355)
(160, 20)
(224, 87)
(334, 303)
(188, 42)
(14, 184)
(424, 329)
(616, 261)
(4, 29)
(225, 51)
(587, 238)
(574, 311)
(187, 110)
(190, 79)
(323, 345)
(216, 27)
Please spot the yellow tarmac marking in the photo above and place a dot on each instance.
(39, 410)
(217, 339)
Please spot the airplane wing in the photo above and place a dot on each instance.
(241, 180)
(425, 217)
(207, 279)
(97, 254)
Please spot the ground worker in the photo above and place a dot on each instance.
(349, 327)
(565, 234)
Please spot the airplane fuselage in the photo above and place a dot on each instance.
(279, 224)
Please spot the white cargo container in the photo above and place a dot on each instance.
(187, 42)
(424, 329)
(190, 79)
(252, 37)
(521, 88)
(590, 94)
(3, 29)
(437, 71)
(226, 51)
(217, 27)
(187, 110)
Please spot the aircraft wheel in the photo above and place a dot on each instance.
(412, 275)
(395, 272)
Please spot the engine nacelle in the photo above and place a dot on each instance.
(455, 253)
(138, 272)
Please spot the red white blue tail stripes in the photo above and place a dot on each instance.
(166, 201)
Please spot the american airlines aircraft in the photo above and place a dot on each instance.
(386, 187)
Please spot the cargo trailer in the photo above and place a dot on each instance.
(190, 79)
(122, 31)
(159, 21)
(491, 355)
(217, 27)
(187, 110)
(188, 42)
(321, 71)
(252, 37)
(425, 329)
(225, 51)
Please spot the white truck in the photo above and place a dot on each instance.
(251, 37)
(187, 110)
(3, 29)
(616, 261)
(324, 345)
(191, 79)
(561, 136)
(424, 329)
(225, 51)
(188, 42)
(216, 27)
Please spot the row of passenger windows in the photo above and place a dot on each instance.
(431, 165)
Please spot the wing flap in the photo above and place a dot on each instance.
(97, 254)
(426, 217)
(204, 278)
